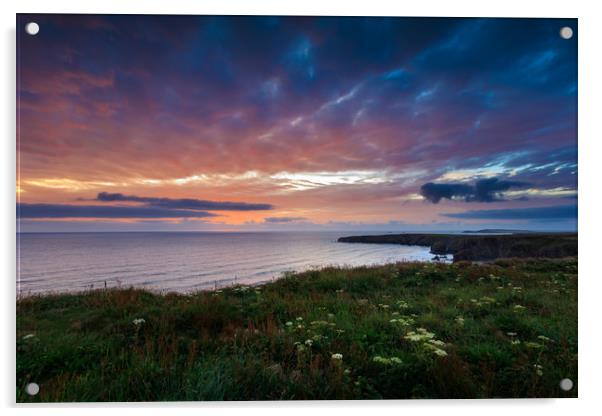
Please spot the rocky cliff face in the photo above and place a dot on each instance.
(482, 247)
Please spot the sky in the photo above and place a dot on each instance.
(239, 123)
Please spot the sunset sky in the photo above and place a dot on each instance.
(139, 123)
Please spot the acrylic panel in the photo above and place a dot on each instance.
(290, 208)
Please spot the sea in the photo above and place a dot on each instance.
(186, 261)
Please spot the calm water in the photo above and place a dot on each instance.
(185, 261)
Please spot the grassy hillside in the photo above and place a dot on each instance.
(410, 330)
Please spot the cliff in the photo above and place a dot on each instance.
(482, 247)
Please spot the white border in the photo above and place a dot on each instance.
(590, 136)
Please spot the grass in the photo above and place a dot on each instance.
(409, 330)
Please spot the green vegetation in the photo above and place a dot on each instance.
(409, 330)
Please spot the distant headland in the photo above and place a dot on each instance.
(483, 247)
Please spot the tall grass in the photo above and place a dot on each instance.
(408, 330)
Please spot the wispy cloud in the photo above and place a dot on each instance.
(100, 211)
(279, 220)
(561, 212)
(184, 203)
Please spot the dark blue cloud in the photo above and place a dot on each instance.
(185, 203)
(562, 212)
(99, 211)
(484, 190)
(435, 192)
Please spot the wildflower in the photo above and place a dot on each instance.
(396, 360)
(515, 342)
(437, 342)
(419, 336)
(28, 336)
(381, 360)
(289, 323)
(395, 314)
(331, 316)
(518, 308)
(538, 369)
(308, 342)
(544, 338)
(435, 350)
(402, 304)
(440, 352)
(138, 321)
(511, 334)
(340, 290)
(383, 306)
(533, 345)
(363, 301)
(337, 357)
(347, 371)
(500, 288)
(460, 321)
(300, 348)
(299, 319)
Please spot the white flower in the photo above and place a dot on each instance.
(308, 342)
(337, 357)
(138, 321)
(28, 336)
(544, 338)
(289, 323)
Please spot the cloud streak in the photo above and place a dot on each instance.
(562, 212)
(184, 203)
(98, 211)
(281, 220)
